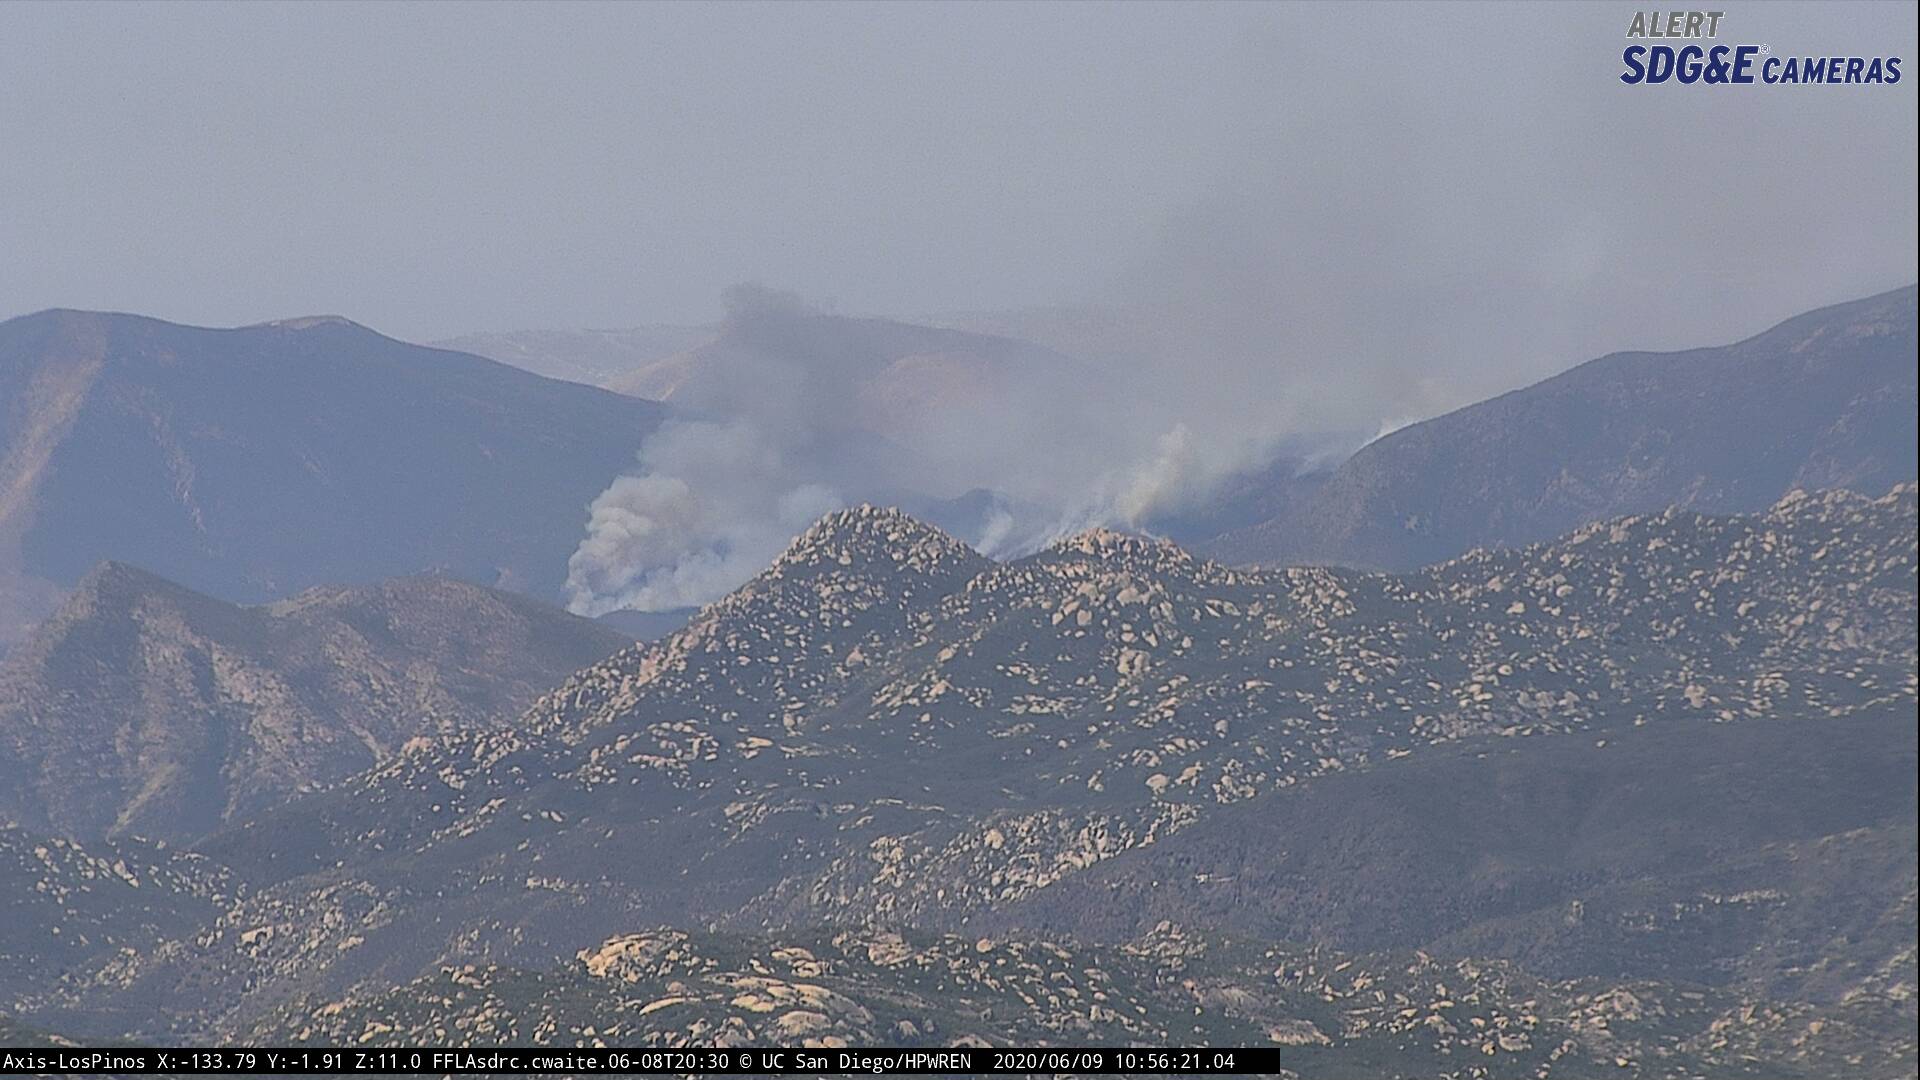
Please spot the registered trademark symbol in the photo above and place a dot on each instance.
(1765, 49)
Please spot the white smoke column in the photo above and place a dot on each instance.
(1176, 474)
(995, 532)
(714, 502)
(1165, 482)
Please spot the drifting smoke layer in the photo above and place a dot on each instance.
(795, 412)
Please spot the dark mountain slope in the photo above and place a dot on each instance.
(1708, 853)
(142, 707)
(14, 1033)
(65, 907)
(255, 462)
(1823, 400)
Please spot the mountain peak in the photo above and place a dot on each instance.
(309, 322)
(1801, 498)
(866, 536)
(115, 605)
(1112, 545)
(117, 583)
(88, 319)
(111, 573)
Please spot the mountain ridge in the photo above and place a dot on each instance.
(252, 462)
(142, 706)
(1823, 399)
(809, 751)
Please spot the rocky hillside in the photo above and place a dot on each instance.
(252, 463)
(144, 708)
(887, 730)
(14, 1033)
(1823, 400)
(1710, 854)
(1332, 1014)
(65, 907)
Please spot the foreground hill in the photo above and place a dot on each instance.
(142, 707)
(1824, 400)
(255, 462)
(1332, 1014)
(886, 729)
(13, 1033)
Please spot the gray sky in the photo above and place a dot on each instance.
(1460, 182)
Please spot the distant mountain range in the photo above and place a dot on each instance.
(841, 374)
(142, 708)
(1826, 399)
(593, 357)
(256, 462)
(810, 751)
(251, 463)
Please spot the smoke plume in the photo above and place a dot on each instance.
(791, 412)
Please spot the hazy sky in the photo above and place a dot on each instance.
(436, 168)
